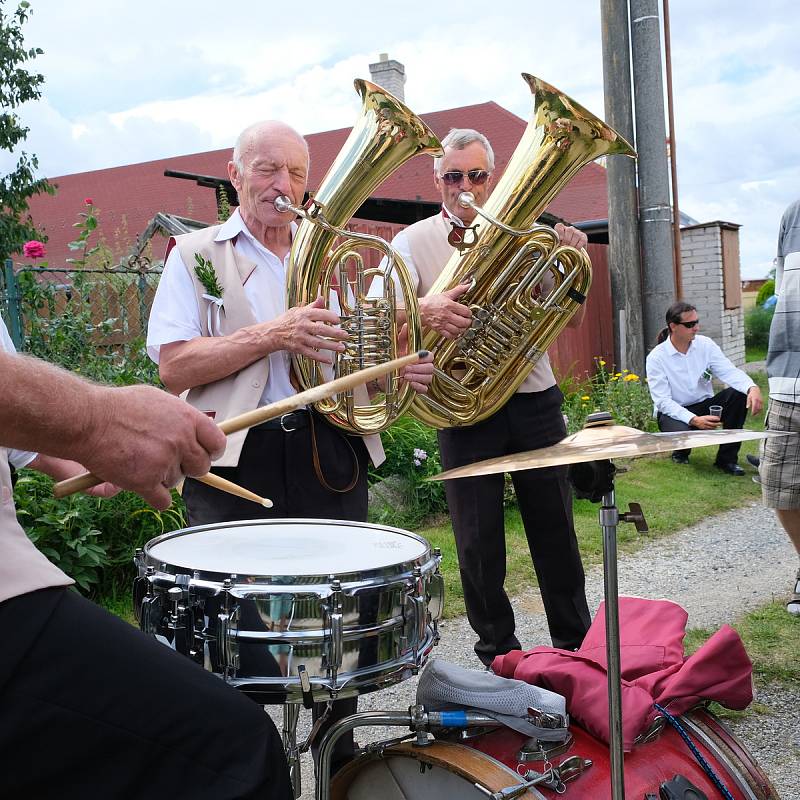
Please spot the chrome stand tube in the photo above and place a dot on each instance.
(609, 518)
(291, 713)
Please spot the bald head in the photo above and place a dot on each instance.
(254, 137)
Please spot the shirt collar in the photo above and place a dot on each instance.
(673, 351)
(449, 216)
(234, 225)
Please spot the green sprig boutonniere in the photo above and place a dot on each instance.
(207, 276)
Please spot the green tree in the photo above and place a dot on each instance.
(17, 86)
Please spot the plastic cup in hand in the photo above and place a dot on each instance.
(715, 411)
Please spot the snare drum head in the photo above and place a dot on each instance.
(286, 547)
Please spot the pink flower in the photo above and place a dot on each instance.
(34, 249)
(88, 201)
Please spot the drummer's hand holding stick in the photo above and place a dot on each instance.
(188, 445)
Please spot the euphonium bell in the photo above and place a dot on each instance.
(508, 261)
(386, 135)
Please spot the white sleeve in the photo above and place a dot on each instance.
(174, 315)
(20, 458)
(658, 384)
(723, 369)
(401, 247)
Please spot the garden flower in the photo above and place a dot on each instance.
(630, 377)
(419, 456)
(34, 249)
(417, 462)
(88, 201)
(586, 397)
(601, 362)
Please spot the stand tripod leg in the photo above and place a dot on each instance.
(609, 518)
(291, 713)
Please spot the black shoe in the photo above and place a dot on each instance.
(679, 458)
(753, 461)
(731, 469)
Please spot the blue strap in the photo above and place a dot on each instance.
(695, 752)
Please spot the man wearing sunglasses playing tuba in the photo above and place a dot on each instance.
(532, 418)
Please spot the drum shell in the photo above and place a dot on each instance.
(256, 629)
(646, 766)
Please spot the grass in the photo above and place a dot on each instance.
(756, 353)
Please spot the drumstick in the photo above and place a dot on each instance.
(210, 479)
(79, 483)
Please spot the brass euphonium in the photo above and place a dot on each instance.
(507, 260)
(386, 135)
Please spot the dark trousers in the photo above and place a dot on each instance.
(734, 413)
(280, 465)
(526, 422)
(90, 708)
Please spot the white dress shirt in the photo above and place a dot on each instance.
(175, 314)
(17, 458)
(678, 379)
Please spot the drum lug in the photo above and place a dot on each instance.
(227, 649)
(572, 767)
(150, 614)
(536, 749)
(336, 626)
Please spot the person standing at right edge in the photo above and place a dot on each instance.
(780, 456)
(532, 418)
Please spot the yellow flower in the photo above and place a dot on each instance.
(586, 397)
(630, 377)
(618, 374)
(613, 378)
(601, 362)
(626, 370)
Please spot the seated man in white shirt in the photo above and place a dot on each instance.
(679, 372)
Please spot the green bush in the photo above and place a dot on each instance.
(765, 292)
(91, 539)
(757, 322)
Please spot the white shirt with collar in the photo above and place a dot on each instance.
(175, 314)
(677, 380)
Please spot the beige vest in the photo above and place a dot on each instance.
(430, 252)
(241, 391)
(22, 567)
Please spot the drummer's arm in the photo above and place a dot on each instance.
(658, 384)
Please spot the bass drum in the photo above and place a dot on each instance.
(449, 771)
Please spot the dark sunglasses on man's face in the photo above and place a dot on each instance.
(689, 324)
(477, 177)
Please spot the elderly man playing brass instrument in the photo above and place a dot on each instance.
(531, 419)
(220, 330)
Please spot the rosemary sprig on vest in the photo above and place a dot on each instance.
(207, 276)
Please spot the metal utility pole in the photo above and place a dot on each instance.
(655, 214)
(623, 232)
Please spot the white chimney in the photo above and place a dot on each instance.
(389, 74)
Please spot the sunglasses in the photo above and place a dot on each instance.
(477, 177)
(690, 324)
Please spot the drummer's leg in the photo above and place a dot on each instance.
(668, 424)
(96, 709)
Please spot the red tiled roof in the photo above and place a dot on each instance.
(128, 197)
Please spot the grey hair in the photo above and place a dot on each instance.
(458, 139)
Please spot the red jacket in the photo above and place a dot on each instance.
(654, 669)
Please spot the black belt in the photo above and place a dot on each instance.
(287, 423)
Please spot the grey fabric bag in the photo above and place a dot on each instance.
(444, 687)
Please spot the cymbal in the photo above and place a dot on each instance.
(605, 442)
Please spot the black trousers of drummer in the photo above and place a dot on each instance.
(528, 421)
(306, 467)
(734, 414)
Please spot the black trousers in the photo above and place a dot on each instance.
(734, 413)
(91, 708)
(280, 465)
(526, 422)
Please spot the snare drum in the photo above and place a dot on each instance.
(476, 767)
(268, 603)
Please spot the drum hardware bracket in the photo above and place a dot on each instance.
(336, 621)
(553, 778)
(305, 686)
(540, 750)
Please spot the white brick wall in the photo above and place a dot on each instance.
(701, 275)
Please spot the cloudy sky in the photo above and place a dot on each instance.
(133, 81)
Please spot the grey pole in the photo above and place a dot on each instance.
(623, 233)
(655, 213)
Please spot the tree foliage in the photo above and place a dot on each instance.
(18, 85)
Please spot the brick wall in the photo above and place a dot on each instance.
(702, 273)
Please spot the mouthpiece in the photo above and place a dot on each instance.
(465, 200)
(282, 204)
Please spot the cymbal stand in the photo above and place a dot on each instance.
(595, 481)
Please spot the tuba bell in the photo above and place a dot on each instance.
(386, 135)
(507, 258)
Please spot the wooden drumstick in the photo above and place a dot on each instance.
(79, 483)
(210, 479)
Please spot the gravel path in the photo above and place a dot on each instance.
(716, 570)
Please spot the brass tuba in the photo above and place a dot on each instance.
(506, 260)
(386, 135)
